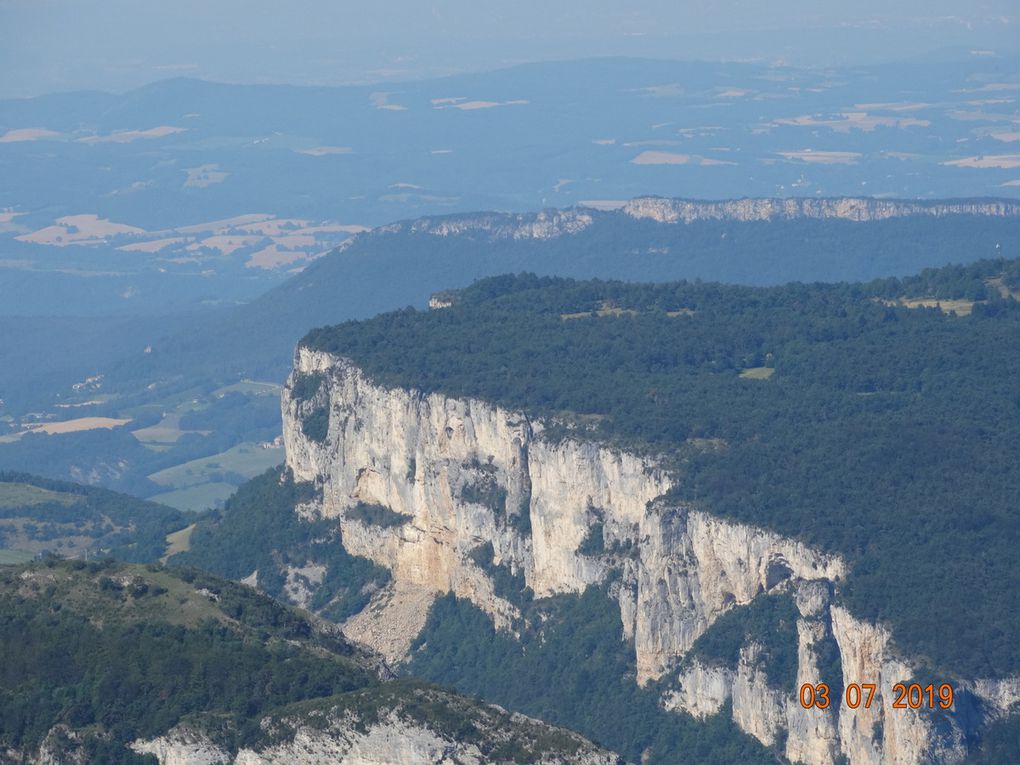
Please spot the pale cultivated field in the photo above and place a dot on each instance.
(469, 106)
(204, 176)
(27, 134)
(894, 106)
(294, 241)
(275, 227)
(661, 158)
(127, 136)
(79, 229)
(847, 121)
(672, 158)
(981, 116)
(1003, 161)
(152, 246)
(168, 430)
(999, 86)
(67, 426)
(823, 157)
(325, 151)
(273, 257)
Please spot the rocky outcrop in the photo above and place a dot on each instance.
(335, 737)
(858, 209)
(547, 224)
(461, 477)
(183, 747)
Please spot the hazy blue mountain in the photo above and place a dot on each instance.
(203, 192)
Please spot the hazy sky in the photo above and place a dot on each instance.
(48, 45)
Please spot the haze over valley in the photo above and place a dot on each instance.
(490, 383)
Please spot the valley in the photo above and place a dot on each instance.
(215, 371)
(607, 411)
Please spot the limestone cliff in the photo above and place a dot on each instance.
(457, 475)
(547, 224)
(550, 224)
(844, 208)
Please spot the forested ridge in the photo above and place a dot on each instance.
(121, 652)
(886, 433)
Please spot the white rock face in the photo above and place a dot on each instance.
(547, 224)
(694, 567)
(429, 457)
(300, 582)
(394, 742)
(702, 689)
(344, 740)
(845, 208)
(183, 748)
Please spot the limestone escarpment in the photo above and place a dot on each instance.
(858, 209)
(547, 224)
(463, 476)
(550, 224)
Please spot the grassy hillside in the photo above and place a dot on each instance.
(38, 515)
(125, 651)
(887, 433)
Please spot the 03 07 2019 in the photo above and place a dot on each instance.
(862, 695)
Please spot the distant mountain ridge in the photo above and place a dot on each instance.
(840, 239)
(860, 209)
(754, 241)
(550, 223)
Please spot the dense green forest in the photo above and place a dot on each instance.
(201, 352)
(886, 433)
(257, 339)
(121, 652)
(259, 530)
(574, 670)
(49, 512)
(125, 652)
